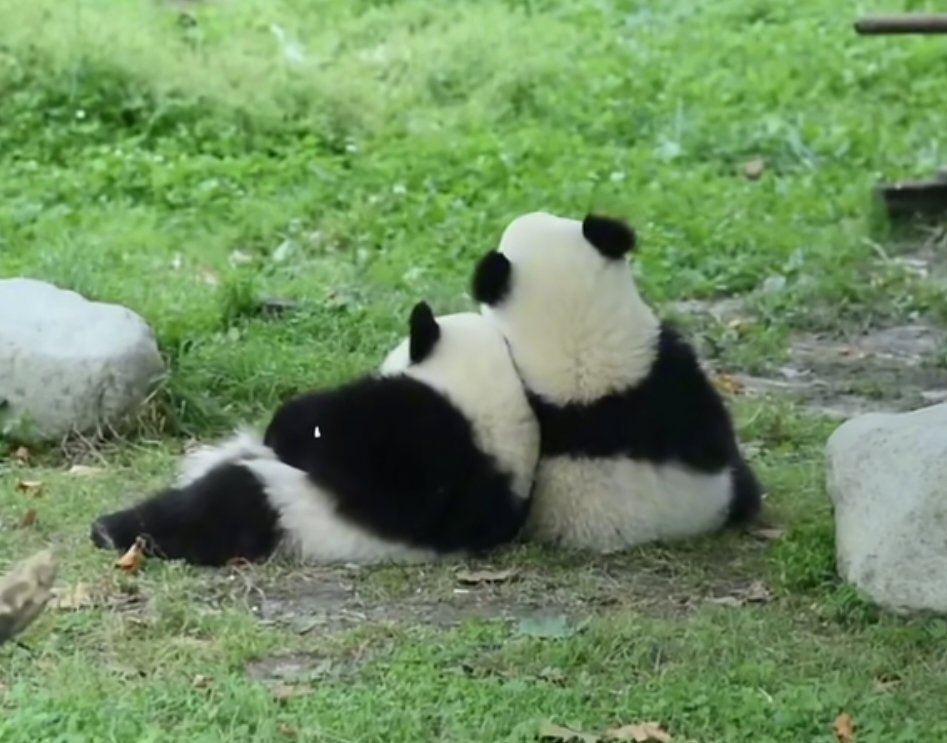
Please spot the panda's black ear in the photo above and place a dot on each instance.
(491, 278)
(424, 332)
(611, 237)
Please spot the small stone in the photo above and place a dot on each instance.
(69, 364)
(886, 475)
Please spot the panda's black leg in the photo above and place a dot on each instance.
(222, 515)
(747, 501)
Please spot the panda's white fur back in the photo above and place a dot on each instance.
(580, 334)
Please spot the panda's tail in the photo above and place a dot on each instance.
(245, 443)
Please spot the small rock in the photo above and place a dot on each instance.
(67, 363)
(886, 474)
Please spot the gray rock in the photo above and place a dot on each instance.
(887, 479)
(67, 363)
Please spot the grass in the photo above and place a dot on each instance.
(187, 167)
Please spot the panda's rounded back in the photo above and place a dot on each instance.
(471, 366)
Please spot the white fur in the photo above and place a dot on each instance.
(244, 444)
(575, 321)
(578, 330)
(471, 366)
(315, 532)
(614, 503)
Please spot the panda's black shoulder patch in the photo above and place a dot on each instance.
(424, 332)
(611, 237)
(491, 278)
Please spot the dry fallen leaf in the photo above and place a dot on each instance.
(76, 597)
(886, 681)
(33, 487)
(753, 169)
(238, 562)
(282, 692)
(199, 681)
(767, 533)
(25, 591)
(83, 470)
(209, 278)
(29, 518)
(757, 593)
(487, 576)
(552, 732)
(642, 733)
(22, 455)
(132, 560)
(844, 727)
(729, 384)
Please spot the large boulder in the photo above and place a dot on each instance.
(887, 479)
(68, 364)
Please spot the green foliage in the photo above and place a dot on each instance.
(355, 156)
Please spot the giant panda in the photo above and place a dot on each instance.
(432, 455)
(637, 445)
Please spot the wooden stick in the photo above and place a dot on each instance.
(915, 23)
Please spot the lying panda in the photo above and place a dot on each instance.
(434, 455)
(636, 443)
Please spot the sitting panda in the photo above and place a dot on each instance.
(636, 443)
(433, 455)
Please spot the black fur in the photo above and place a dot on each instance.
(222, 515)
(424, 332)
(673, 414)
(400, 459)
(611, 237)
(402, 462)
(492, 279)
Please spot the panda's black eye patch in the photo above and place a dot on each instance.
(611, 237)
(491, 278)
(425, 332)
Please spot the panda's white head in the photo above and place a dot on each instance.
(562, 292)
(466, 358)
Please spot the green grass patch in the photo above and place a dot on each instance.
(357, 156)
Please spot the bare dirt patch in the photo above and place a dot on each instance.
(884, 369)
(889, 369)
(327, 600)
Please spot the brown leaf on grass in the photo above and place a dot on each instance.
(486, 576)
(767, 533)
(29, 518)
(757, 593)
(241, 563)
(83, 470)
(22, 455)
(78, 596)
(288, 731)
(642, 733)
(209, 278)
(886, 681)
(844, 728)
(282, 692)
(133, 559)
(31, 487)
(729, 384)
(753, 169)
(553, 732)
